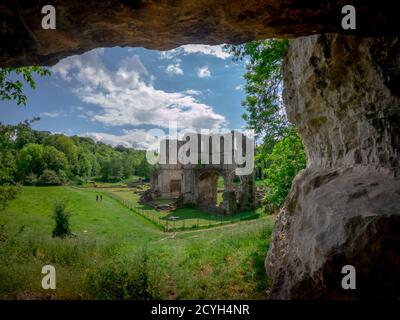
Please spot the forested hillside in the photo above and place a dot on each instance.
(40, 158)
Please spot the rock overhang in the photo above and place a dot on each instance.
(163, 25)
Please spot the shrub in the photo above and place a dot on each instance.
(3, 233)
(61, 218)
(50, 178)
(125, 280)
(79, 181)
(31, 179)
(8, 192)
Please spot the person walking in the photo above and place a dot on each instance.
(97, 198)
(101, 197)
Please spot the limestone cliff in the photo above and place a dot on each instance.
(342, 92)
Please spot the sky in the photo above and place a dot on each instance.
(116, 95)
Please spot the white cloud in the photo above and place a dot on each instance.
(127, 96)
(216, 51)
(174, 69)
(50, 114)
(138, 138)
(203, 72)
(193, 92)
(239, 87)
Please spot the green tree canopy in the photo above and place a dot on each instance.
(12, 79)
(280, 153)
(263, 104)
(31, 160)
(285, 161)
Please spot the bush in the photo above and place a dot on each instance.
(79, 181)
(61, 217)
(31, 179)
(125, 280)
(8, 192)
(50, 178)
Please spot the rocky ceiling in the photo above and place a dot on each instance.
(165, 24)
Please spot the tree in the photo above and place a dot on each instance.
(281, 151)
(264, 108)
(112, 169)
(85, 164)
(51, 178)
(31, 160)
(54, 160)
(128, 164)
(145, 169)
(8, 166)
(24, 134)
(11, 84)
(61, 217)
(67, 146)
(26, 153)
(285, 161)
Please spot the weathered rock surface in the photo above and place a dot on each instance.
(342, 92)
(160, 24)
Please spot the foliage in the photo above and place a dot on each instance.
(11, 84)
(31, 179)
(25, 154)
(51, 178)
(145, 169)
(264, 109)
(111, 170)
(280, 154)
(7, 193)
(31, 159)
(54, 160)
(125, 281)
(285, 161)
(8, 166)
(61, 218)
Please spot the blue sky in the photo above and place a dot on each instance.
(116, 95)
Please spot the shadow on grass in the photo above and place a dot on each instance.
(192, 213)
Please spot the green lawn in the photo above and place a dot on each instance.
(114, 249)
(185, 217)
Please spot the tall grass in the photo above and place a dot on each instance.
(121, 256)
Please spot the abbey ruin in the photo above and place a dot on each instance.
(196, 183)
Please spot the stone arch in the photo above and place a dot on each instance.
(207, 185)
(243, 191)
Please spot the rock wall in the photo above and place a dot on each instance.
(160, 24)
(343, 94)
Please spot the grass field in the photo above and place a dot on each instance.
(185, 218)
(117, 254)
